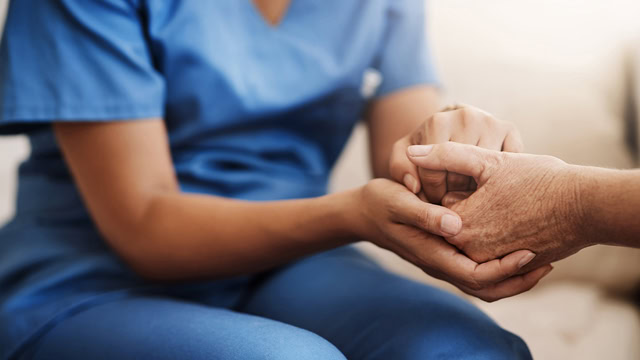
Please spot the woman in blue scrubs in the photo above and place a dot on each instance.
(174, 204)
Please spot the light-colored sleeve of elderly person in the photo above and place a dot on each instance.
(535, 202)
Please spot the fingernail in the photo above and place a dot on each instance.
(411, 183)
(450, 224)
(419, 150)
(526, 259)
(547, 272)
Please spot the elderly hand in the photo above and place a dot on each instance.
(465, 124)
(392, 217)
(522, 202)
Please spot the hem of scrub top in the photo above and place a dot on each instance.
(383, 90)
(12, 116)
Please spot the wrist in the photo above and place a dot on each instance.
(345, 214)
(611, 200)
(584, 210)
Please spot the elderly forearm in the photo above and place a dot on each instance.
(610, 200)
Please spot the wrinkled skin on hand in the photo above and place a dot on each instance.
(522, 202)
(393, 218)
(462, 124)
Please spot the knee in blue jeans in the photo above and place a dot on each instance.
(302, 345)
(453, 336)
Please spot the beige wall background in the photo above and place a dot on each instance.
(12, 151)
(566, 73)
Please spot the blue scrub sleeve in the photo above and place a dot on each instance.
(76, 60)
(404, 59)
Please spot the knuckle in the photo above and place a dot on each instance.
(439, 120)
(473, 284)
(468, 112)
(493, 161)
(446, 148)
(375, 185)
(490, 121)
(496, 160)
(425, 219)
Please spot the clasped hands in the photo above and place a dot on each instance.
(472, 211)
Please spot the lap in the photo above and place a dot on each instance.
(369, 313)
(338, 299)
(157, 328)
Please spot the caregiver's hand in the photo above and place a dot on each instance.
(462, 124)
(523, 201)
(392, 217)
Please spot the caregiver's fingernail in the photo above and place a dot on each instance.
(450, 224)
(419, 150)
(411, 183)
(526, 259)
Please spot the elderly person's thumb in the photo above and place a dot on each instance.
(454, 157)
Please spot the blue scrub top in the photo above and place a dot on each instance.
(253, 112)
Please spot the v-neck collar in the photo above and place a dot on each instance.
(263, 20)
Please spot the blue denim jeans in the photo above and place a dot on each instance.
(334, 305)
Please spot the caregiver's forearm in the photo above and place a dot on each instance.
(610, 202)
(124, 172)
(184, 236)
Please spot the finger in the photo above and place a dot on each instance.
(434, 184)
(493, 271)
(513, 142)
(402, 169)
(467, 134)
(513, 286)
(454, 266)
(451, 198)
(438, 130)
(448, 264)
(457, 182)
(432, 218)
(493, 141)
(459, 158)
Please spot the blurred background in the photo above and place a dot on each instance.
(567, 73)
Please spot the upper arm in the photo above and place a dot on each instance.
(408, 93)
(118, 167)
(76, 60)
(404, 57)
(85, 65)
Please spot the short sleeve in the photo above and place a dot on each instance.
(75, 60)
(404, 58)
